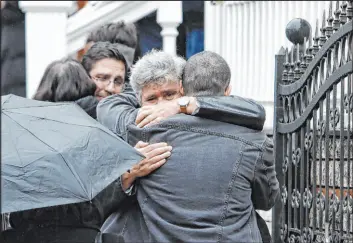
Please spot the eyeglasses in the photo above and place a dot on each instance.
(107, 81)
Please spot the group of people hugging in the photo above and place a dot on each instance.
(208, 164)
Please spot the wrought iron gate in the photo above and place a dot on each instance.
(314, 134)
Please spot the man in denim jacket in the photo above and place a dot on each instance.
(219, 171)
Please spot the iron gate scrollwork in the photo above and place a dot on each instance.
(313, 132)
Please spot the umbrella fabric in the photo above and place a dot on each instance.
(54, 154)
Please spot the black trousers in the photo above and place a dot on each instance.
(265, 233)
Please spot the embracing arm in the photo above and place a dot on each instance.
(112, 196)
(118, 111)
(230, 109)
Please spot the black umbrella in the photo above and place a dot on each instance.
(54, 154)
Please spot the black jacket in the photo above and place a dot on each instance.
(74, 223)
(89, 105)
(13, 63)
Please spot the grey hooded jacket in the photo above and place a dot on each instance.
(217, 175)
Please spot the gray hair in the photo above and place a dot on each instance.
(156, 67)
(206, 73)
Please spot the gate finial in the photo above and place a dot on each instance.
(298, 32)
(316, 38)
(291, 66)
(286, 65)
(350, 10)
(322, 38)
(336, 21)
(309, 56)
(297, 62)
(297, 29)
(343, 15)
(329, 27)
(304, 62)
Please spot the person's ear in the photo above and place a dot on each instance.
(181, 89)
(228, 90)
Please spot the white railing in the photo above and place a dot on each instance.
(93, 16)
(248, 34)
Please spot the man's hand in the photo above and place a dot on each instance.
(152, 114)
(156, 155)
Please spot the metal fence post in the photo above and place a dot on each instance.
(278, 150)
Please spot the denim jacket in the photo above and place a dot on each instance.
(218, 173)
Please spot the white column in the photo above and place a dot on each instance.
(45, 37)
(209, 26)
(169, 17)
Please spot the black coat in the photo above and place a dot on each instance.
(74, 223)
(13, 63)
(89, 105)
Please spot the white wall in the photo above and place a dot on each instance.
(248, 34)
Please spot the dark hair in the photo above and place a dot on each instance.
(64, 80)
(11, 14)
(99, 51)
(206, 73)
(119, 32)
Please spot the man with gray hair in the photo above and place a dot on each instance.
(157, 69)
(221, 168)
(156, 78)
